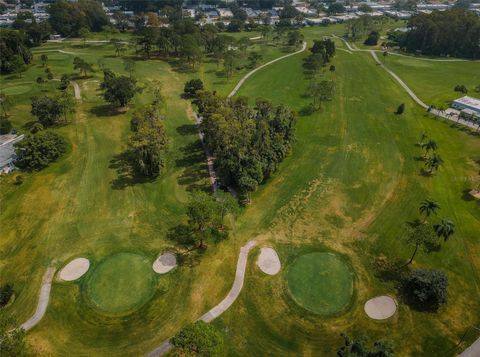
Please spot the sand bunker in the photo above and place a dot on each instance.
(268, 261)
(380, 307)
(164, 263)
(75, 269)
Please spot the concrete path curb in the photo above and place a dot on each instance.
(224, 304)
(43, 299)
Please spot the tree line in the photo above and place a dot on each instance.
(455, 32)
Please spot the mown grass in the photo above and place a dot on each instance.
(356, 161)
(434, 81)
(349, 184)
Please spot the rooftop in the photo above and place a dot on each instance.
(469, 101)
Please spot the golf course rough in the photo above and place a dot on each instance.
(321, 283)
(121, 283)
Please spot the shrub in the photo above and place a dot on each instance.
(426, 289)
(192, 87)
(50, 76)
(199, 338)
(5, 125)
(400, 109)
(332, 68)
(6, 292)
(37, 151)
(18, 180)
(461, 88)
(36, 128)
(372, 38)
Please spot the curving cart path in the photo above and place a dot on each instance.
(225, 303)
(240, 83)
(43, 298)
(438, 113)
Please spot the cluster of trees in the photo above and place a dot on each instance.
(365, 24)
(432, 160)
(36, 152)
(321, 91)
(248, 143)
(148, 143)
(67, 17)
(454, 32)
(206, 219)
(14, 51)
(53, 111)
(427, 289)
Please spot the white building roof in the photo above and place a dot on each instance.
(7, 151)
(469, 102)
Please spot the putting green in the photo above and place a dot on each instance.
(15, 90)
(321, 283)
(121, 283)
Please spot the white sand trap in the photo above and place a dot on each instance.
(380, 307)
(75, 269)
(164, 263)
(268, 261)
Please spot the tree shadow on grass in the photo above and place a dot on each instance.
(194, 167)
(104, 110)
(126, 175)
(466, 196)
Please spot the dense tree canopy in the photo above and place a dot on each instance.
(37, 151)
(14, 52)
(118, 90)
(454, 32)
(148, 143)
(199, 338)
(67, 18)
(248, 143)
(426, 289)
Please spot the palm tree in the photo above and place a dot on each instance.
(428, 206)
(429, 145)
(445, 228)
(422, 139)
(433, 163)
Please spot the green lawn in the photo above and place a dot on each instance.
(121, 283)
(348, 186)
(434, 81)
(320, 282)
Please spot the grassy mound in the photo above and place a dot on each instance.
(121, 283)
(321, 283)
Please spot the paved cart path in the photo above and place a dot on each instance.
(43, 299)
(240, 83)
(225, 303)
(411, 93)
(76, 89)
